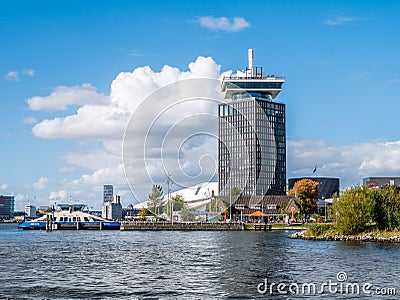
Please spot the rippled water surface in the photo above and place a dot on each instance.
(185, 265)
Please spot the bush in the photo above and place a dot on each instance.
(318, 229)
(351, 211)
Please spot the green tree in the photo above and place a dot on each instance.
(351, 211)
(384, 207)
(177, 202)
(142, 214)
(156, 199)
(186, 213)
(306, 193)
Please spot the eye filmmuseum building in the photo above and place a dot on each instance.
(252, 134)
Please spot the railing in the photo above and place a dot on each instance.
(236, 77)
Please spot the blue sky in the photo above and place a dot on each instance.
(340, 60)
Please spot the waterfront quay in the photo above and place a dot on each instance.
(202, 226)
(182, 226)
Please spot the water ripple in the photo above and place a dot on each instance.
(179, 265)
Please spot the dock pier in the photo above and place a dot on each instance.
(263, 227)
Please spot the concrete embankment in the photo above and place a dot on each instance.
(191, 226)
(366, 237)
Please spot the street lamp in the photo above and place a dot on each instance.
(169, 184)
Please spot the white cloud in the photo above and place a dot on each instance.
(337, 21)
(66, 170)
(28, 72)
(90, 122)
(136, 53)
(40, 184)
(350, 163)
(29, 120)
(62, 97)
(128, 89)
(4, 186)
(58, 196)
(12, 76)
(223, 23)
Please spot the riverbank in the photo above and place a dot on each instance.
(374, 236)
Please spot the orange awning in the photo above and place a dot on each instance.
(258, 214)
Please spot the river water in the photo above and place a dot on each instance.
(191, 265)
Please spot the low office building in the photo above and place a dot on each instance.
(6, 207)
(378, 182)
(327, 186)
(275, 207)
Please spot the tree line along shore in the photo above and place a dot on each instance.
(360, 214)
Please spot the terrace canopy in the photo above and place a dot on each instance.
(258, 214)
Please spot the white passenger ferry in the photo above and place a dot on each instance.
(70, 216)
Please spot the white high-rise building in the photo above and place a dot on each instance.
(30, 211)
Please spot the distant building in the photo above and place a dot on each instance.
(327, 186)
(130, 212)
(30, 211)
(6, 207)
(378, 182)
(198, 196)
(43, 209)
(108, 193)
(112, 210)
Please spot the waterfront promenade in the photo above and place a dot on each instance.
(182, 226)
(202, 226)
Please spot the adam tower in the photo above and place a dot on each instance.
(252, 134)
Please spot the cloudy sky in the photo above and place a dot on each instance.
(73, 73)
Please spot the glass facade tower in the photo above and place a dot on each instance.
(252, 134)
(108, 192)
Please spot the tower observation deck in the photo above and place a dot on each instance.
(252, 134)
(253, 80)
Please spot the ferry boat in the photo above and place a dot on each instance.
(72, 217)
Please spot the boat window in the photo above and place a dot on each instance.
(86, 219)
(69, 219)
(74, 219)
